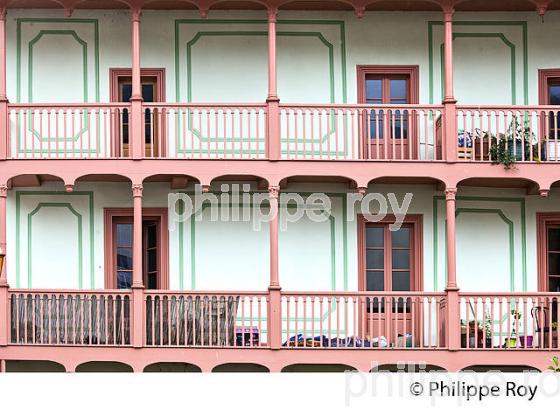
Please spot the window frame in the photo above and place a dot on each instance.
(160, 214)
(410, 71)
(416, 247)
(544, 220)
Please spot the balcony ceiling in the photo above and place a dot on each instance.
(346, 5)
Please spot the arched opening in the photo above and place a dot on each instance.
(104, 367)
(500, 368)
(318, 368)
(33, 366)
(172, 367)
(407, 368)
(240, 368)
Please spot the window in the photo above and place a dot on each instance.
(119, 244)
(390, 260)
(153, 90)
(548, 249)
(388, 85)
(549, 94)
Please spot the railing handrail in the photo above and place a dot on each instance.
(362, 293)
(162, 292)
(507, 107)
(69, 105)
(70, 291)
(203, 105)
(509, 294)
(360, 106)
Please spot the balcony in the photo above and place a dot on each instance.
(529, 134)
(307, 320)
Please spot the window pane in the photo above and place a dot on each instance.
(124, 234)
(554, 284)
(152, 260)
(374, 89)
(401, 238)
(376, 124)
(401, 281)
(152, 235)
(152, 281)
(124, 280)
(126, 92)
(399, 124)
(554, 264)
(374, 236)
(401, 259)
(374, 259)
(148, 92)
(554, 239)
(554, 94)
(398, 89)
(124, 258)
(375, 281)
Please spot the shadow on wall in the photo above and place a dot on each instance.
(499, 368)
(317, 368)
(34, 366)
(172, 367)
(407, 368)
(240, 368)
(103, 367)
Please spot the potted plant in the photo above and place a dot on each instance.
(511, 341)
(516, 144)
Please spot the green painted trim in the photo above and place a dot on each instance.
(518, 200)
(85, 75)
(40, 206)
(89, 194)
(19, 23)
(522, 24)
(509, 224)
(339, 23)
(36, 39)
(315, 34)
(332, 224)
(499, 36)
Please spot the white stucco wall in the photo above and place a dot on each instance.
(224, 58)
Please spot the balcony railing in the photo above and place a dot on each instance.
(290, 132)
(306, 320)
(520, 133)
(52, 131)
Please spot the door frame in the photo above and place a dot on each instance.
(410, 71)
(416, 220)
(115, 74)
(417, 281)
(544, 219)
(149, 213)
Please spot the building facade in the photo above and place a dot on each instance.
(442, 114)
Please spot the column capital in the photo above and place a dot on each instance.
(272, 14)
(361, 190)
(448, 12)
(273, 191)
(450, 194)
(3, 12)
(137, 190)
(136, 13)
(3, 191)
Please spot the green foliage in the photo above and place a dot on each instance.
(555, 367)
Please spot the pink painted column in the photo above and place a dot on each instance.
(4, 314)
(137, 268)
(453, 320)
(274, 295)
(3, 92)
(272, 100)
(449, 101)
(136, 131)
